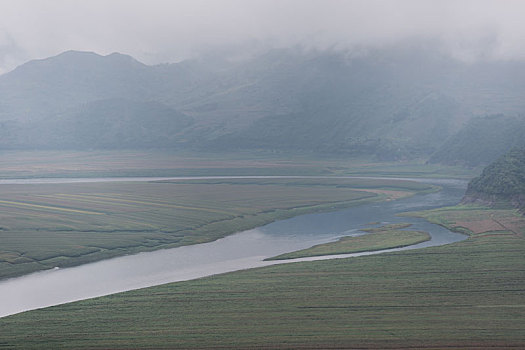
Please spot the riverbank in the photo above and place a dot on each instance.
(379, 238)
(48, 225)
(128, 163)
(459, 296)
(234, 252)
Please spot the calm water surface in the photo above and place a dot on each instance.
(240, 251)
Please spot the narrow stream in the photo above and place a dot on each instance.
(243, 250)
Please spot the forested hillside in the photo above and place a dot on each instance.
(402, 103)
(482, 140)
(500, 182)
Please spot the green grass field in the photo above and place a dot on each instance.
(467, 295)
(379, 238)
(43, 226)
(475, 220)
(28, 164)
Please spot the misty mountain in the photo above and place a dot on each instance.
(481, 141)
(103, 124)
(393, 103)
(41, 88)
(390, 103)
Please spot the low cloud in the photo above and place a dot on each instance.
(157, 31)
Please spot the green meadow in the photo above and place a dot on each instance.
(467, 295)
(379, 238)
(31, 164)
(48, 225)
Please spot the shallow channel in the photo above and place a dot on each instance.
(243, 250)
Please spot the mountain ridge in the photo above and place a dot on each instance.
(398, 104)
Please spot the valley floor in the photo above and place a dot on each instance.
(64, 224)
(464, 295)
(31, 164)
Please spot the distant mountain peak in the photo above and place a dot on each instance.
(80, 59)
(69, 55)
(122, 57)
(76, 53)
(388, 104)
(90, 54)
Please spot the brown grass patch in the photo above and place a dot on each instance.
(392, 195)
(512, 224)
(481, 226)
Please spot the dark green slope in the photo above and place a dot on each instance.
(501, 182)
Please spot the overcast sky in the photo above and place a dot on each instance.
(156, 31)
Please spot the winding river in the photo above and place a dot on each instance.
(243, 250)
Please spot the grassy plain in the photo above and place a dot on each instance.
(475, 220)
(48, 225)
(467, 295)
(379, 238)
(28, 164)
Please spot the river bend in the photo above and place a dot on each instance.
(239, 251)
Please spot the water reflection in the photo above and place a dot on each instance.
(244, 250)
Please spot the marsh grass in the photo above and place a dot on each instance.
(379, 238)
(70, 224)
(466, 295)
